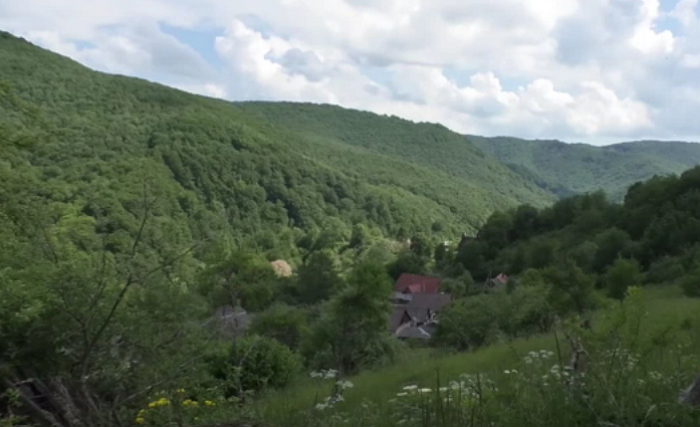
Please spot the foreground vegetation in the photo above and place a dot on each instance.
(637, 359)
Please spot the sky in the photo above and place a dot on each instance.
(594, 71)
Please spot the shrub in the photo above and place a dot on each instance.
(284, 323)
(691, 284)
(468, 323)
(254, 363)
(622, 275)
(665, 270)
(526, 311)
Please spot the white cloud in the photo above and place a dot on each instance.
(576, 69)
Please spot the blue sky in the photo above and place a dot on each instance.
(596, 71)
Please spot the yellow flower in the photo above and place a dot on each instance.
(187, 402)
(142, 411)
(153, 404)
(163, 402)
(180, 390)
(209, 403)
(139, 420)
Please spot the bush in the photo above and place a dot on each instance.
(468, 323)
(255, 363)
(526, 311)
(284, 323)
(665, 270)
(622, 275)
(691, 284)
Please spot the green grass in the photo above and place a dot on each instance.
(666, 308)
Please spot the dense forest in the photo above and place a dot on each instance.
(130, 212)
(568, 169)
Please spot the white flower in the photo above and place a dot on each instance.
(425, 390)
(401, 394)
(321, 406)
(443, 389)
(345, 384)
(507, 372)
(411, 387)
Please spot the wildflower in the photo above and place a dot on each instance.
(180, 390)
(402, 394)
(187, 402)
(209, 403)
(142, 411)
(345, 384)
(152, 404)
(443, 389)
(528, 360)
(139, 420)
(411, 387)
(162, 402)
(507, 372)
(321, 406)
(425, 390)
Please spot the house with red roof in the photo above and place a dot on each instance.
(417, 301)
(497, 283)
(415, 284)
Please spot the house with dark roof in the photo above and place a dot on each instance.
(416, 315)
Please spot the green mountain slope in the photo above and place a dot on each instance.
(566, 169)
(252, 171)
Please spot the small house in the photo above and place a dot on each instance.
(416, 284)
(420, 311)
(497, 283)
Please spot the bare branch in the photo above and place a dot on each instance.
(39, 415)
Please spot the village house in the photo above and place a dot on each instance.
(417, 301)
(497, 283)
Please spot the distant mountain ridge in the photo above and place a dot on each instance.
(261, 170)
(565, 169)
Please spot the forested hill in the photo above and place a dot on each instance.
(247, 169)
(568, 169)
